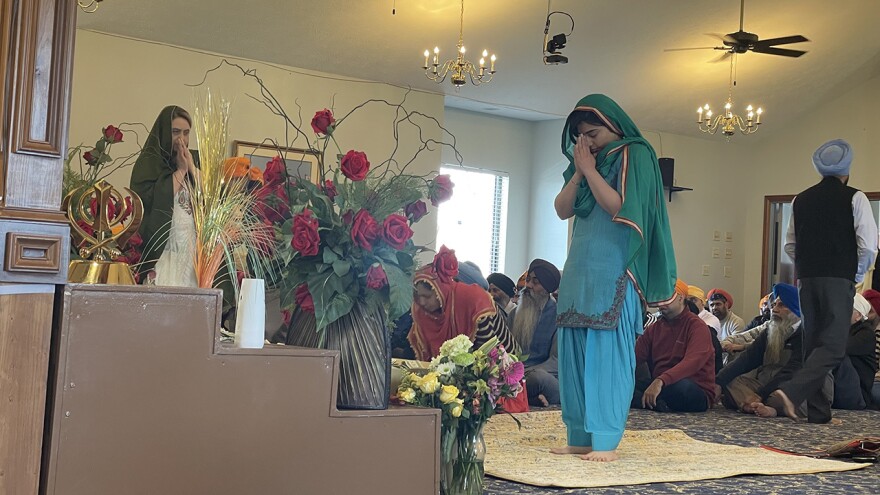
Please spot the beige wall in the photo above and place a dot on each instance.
(121, 80)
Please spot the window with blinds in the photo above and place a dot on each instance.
(474, 221)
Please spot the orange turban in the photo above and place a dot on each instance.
(716, 293)
(239, 166)
(694, 291)
(681, 288)
(763, 302)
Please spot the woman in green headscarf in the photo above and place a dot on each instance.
(620, 260)
(163, 176)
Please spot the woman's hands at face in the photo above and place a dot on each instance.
(583, 159)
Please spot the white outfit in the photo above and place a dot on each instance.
(711, 320)
(176, 266)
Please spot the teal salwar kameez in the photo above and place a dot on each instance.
(616, 265)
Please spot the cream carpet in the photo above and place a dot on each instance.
(646, 456)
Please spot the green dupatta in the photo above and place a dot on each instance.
(650, 252)
(152, 180)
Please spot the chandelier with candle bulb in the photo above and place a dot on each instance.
(727, 121)
(459, 69)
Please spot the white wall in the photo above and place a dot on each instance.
(549, 235)
(122, 80)
(782, 164)
(504, 145)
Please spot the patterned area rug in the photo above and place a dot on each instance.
(647, 456)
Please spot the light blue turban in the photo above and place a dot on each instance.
(833, 158)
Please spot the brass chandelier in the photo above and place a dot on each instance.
(89, 6)
(728, 122)
(459, 69)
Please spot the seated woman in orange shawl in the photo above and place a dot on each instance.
(444, 308)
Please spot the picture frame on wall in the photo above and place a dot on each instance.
(300, 163)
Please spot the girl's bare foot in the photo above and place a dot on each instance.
(569, 449)
(543, 400)
(601, 456)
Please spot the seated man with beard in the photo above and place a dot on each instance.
(774, 343)
(533, 323)
(502, 289)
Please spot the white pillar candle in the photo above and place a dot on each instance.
(250, 322)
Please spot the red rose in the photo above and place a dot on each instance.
(91, 157)
(330, 189)
(287, 316)
(305, 234)
(355, 165)
(272, 204)
(445, 264)
(135, 241)
(322, 122)
(86, 227)
(348, 217)
(396, 231)
(415, 211)
(112, 134)
(126, 209)
(364, 230)
(93, 208)
(303, 298)
(376, 278)
(274, 173)
(441, 189)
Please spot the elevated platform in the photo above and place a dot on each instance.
(147, 401)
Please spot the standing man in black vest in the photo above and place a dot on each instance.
(832, 238)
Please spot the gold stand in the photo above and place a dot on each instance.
(99, 272)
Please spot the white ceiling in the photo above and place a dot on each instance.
(617, 48)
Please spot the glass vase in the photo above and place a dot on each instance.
(462, 453)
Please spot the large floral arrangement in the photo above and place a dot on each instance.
(345, 237)
(468, 386)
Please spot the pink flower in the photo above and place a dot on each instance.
(515, 374)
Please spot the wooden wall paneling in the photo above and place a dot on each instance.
(6, 34)
(38, 111)
(25, 334)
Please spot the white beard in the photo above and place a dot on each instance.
(526, 318)
(778, 331)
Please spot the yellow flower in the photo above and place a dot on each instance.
(457, 408)
(429, 384)
(448, 393)
(407, 394)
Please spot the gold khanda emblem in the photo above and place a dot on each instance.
(105, 237)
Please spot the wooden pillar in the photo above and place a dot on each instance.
(36, 54)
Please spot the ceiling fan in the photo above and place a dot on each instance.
(742, 42)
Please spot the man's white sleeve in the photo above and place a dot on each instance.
(789, 235)
(866, 234)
